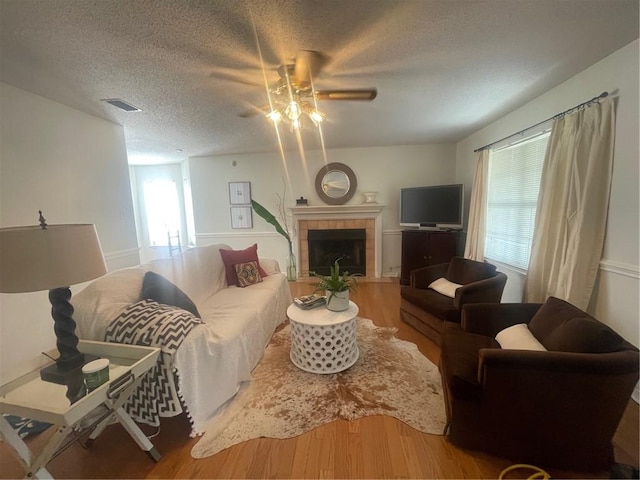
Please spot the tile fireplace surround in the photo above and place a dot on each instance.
(337, 217)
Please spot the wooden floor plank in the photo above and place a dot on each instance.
(373, 447)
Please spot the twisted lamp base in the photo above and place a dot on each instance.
(69, 364)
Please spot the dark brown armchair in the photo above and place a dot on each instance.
(554, 408)
(426, 310)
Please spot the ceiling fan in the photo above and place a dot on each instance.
(294, 95)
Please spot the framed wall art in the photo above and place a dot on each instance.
(241, 217)
(239, 193)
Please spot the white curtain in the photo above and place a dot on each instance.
(572, 206)
(474, 248)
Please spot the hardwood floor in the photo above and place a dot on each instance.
(373, 447)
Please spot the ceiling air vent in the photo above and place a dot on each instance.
(121, 104)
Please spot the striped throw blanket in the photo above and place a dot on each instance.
(152, 324)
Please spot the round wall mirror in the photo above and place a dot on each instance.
(335, 183)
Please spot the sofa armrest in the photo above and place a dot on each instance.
(489, 318)
(269, 265)
(488, 290)
(518, 385)
(524, 362)
(424, 276)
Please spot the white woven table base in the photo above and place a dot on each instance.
(324, 348)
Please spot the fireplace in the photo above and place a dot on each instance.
(365, 218)
(327, 246)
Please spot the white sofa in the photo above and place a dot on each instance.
(215, 357)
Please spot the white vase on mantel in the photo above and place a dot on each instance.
(337, 301)
(369, 197)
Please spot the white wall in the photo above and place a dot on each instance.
(73, 166)
(381, 169)
(615, 299)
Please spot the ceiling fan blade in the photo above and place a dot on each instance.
(245, 77)
(253, 111)
(307, 67)
(364, 94)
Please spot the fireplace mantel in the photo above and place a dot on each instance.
(339, 217)
(337, 211)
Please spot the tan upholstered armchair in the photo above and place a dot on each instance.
(554, 408)
(426, 310)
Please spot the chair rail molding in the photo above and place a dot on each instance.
(205, 236)
(122, 258)
(626, 269)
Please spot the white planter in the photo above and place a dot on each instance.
(338, 301)
(369, 197)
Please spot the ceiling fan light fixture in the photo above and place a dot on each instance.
(316, 116)
(293, 111)
(275, 116)
(294, 97)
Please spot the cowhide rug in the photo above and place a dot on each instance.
(391, 377)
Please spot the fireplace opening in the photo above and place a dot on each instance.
(326, 246)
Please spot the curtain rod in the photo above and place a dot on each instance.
(556, 116)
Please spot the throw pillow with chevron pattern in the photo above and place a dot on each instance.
(152, 324)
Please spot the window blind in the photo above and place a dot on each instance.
(514, 182)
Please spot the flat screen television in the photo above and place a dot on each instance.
(437, 206)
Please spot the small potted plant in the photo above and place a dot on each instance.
(336, 287)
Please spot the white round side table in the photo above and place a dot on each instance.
(323, 341)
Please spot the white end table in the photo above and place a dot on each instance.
(31, 397)
(323, 341)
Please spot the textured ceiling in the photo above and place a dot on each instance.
(443, 68)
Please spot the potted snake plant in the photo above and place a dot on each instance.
(336, 287)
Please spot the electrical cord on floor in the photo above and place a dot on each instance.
(538, 472)
(154, 435)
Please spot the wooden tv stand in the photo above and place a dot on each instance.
(421, 248)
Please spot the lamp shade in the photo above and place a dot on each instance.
(35, 258)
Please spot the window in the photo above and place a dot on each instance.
(162, 211)
(512, 195)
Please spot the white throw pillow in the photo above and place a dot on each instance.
(103, 299)
(445, 287)
(518, 337)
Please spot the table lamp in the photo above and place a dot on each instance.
(52, 257)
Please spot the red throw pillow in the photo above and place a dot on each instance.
(233, 257)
